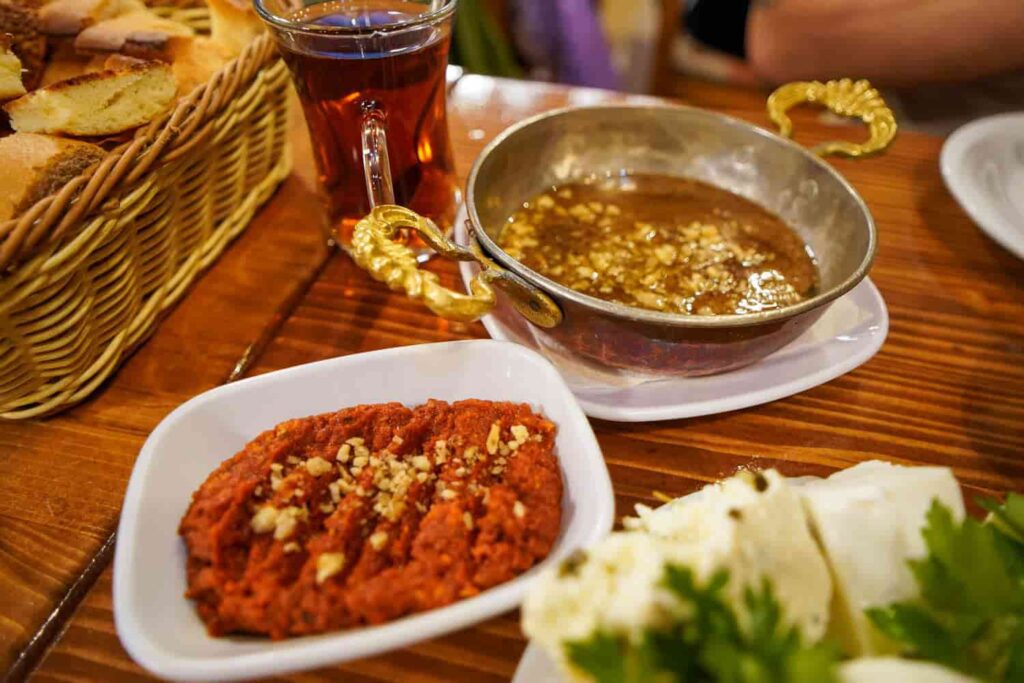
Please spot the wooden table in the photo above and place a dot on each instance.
(947, 388)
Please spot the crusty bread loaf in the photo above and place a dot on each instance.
(69, 17)
(195, 60)
(20, 20)
(35, 166)
(233, 23)
(101, 103)
(10, 71)
(134, 33)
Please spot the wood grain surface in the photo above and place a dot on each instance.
(947, 388)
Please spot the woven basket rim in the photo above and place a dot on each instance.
(55, 217)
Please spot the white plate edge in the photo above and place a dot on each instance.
(317, 653)
(953, 151)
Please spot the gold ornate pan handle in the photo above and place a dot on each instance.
(846, 98)
(394, 264)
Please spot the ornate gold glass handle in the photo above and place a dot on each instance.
(845, 97)
(375, 251)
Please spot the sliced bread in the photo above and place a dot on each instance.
(233, 23)
(10, 71)
(135, 33)
(195, 60)
(101, 103)
(35, 166)
(70, 17)
(20, 20)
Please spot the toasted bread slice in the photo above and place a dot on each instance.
(35, 166)
(233, 23)
(101, 103)
(136, 32)
(10, 71)
(20, 20)
(70, 17)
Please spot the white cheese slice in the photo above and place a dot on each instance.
(868, 520)
(884, 669)
(613, 588)
(754, 526)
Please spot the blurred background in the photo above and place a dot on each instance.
(940, 62)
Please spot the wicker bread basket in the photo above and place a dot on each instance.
(86, 273)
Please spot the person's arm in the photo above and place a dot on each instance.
(891, 42)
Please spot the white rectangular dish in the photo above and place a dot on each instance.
(160, 628)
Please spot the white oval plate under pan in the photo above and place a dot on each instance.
(848, 334)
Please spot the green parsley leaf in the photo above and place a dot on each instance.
(603, 657)
(711, 643)
(970, 614)
(1008, 517)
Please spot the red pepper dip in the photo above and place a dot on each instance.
(371, 513)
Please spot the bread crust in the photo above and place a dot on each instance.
(138, 31)
(69, 17)
(35, 166)
(10, 71)
(234, 24)
(96, 104)
(195, 61)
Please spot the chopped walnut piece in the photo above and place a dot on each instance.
(520, 433)
(441, 450)
(265, 520)
(335, 488)
(493, 438)
(276, 475)
(287, 520)
(378, 540)
(686, 261)
(318, 466)
(327, 565)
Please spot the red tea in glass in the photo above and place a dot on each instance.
(371, 78)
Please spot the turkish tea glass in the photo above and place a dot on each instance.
(370, 75)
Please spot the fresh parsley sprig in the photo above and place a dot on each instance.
(710, 644)
(970, 613)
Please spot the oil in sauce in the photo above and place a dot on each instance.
(662, 243)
